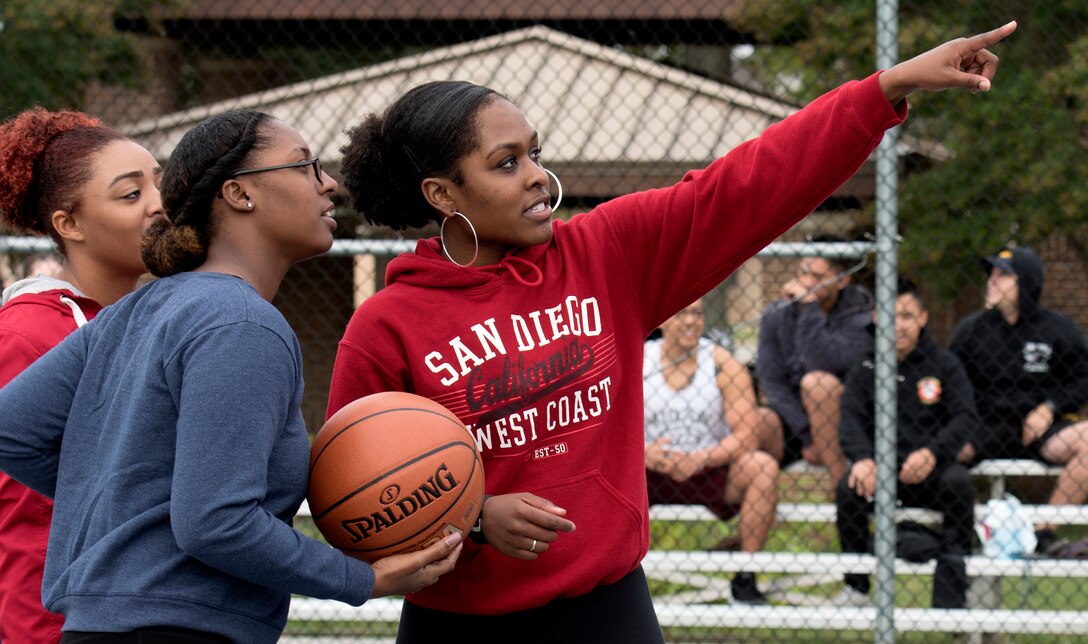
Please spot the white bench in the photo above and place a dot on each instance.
(705, 573)
(719, 616)
(928, 620)
(701, 573)
(825, 513)
(996, 471)
(661, 564)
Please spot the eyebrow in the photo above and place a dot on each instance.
(508, 146)
(135, 174)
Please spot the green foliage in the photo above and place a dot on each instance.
(51, 49)
(1018, 162)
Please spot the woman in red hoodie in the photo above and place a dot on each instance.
(531, 330)
(93, 191)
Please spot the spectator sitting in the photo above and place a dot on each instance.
(807, 342)
(936, 413)
(1029, 369)
(702, 431)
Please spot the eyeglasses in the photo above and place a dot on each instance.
(315, 162)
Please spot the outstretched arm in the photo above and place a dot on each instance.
(963, 62)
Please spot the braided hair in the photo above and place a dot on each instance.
(206, 156)
(425, 133)
(46, 157)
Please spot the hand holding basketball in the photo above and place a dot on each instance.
(392, 473)
(523, 525)
(414, 571)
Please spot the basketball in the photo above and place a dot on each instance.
(391, 473)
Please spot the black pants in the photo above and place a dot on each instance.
(949, 490)
(154, 635)
(621, 613)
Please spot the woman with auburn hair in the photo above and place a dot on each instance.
(170, 431)
(93, 191)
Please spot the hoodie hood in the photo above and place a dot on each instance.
(428, 267)
(38, 285)
(52, 293)
(1028, 268)
(853, 299)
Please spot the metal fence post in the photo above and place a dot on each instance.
(887, 28)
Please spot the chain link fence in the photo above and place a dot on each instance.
(627, 95)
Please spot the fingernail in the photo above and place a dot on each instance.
(453, 539)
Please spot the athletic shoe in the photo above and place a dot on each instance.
(1049, 544)
(850, 596)
(744, 590)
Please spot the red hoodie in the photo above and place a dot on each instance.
(541, 354)
(36, 315)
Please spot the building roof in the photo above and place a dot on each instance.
(613, 121)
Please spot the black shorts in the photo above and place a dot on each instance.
(1010, 447)
(704, 488)
(794, 441)
(620, 613)
(1035, 448)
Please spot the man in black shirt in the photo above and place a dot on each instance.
(936, 414)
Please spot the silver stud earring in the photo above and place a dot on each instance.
(249, 204)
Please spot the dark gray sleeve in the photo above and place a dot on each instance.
(832, 345)
(773, 375)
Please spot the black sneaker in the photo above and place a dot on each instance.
(1044, 539)
(744, 590)
(1047, 543)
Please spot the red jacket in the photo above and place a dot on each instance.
(541, 355)
(37, 313)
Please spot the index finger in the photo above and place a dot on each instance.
(984, 40)
(553, 518)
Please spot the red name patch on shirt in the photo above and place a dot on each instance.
(929, 390)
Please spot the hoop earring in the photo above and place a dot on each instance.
(559, 186)
(475, 240)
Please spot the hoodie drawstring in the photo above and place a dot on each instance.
(77, 312)
(508, 263)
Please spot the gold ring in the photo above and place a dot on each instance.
(532, 548)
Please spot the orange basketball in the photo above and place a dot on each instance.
(391, 473)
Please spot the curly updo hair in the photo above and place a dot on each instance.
(424, 133)
(203, 160)
(46, 158)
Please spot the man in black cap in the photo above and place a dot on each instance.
(1029, 368)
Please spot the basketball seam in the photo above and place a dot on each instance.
(352, 493)
(379, 413)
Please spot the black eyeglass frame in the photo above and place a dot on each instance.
(315, 162)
